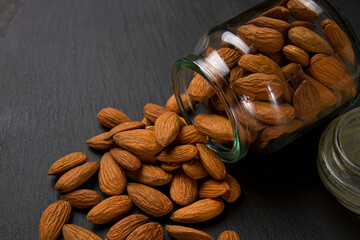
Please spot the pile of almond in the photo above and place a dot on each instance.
(160, 150)
(287, 75)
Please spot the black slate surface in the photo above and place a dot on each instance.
(62, 61)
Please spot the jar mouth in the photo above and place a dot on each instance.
(347, 140)
(182, 74)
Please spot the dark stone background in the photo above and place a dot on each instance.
(62, 61)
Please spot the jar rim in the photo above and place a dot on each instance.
(340, 128)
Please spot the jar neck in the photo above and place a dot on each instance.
(345, 144)
(182, 73)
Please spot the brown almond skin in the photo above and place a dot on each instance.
(125, 126)
(121, 229)
(306, 101)
(212, 188)
(278, 12)
(73, 232)
(76, 176)
(261, 64)
(338, 40)
(237, 72)
(194, 169)
(173, 106)
(82, 198)
(112, 178)
(183, 190)
(229, 55)
(263, 39)
(101, 141)
(309, 40)
(234, 191)
(214, 126)
(125, 159)
(211, 162)
(150, 175)
(178, 154)
(199, 89)
(279, 25)
(293, 73)
(274, 131)
(111, 117)
(68, 162)
(152, 111)
(189, 135)
(273, 114)
(149, 200)
(110, 209)
(53, 219)
(138, 141)
(151, 230)
(309, 25)
(327, 97)
(199, 211)
(170, 166)
(166, 128)
(185, 233)
(296, 54)
(228, 235)
(300, 11)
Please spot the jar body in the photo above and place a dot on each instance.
(274, 72)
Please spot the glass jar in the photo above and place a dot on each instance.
(269, 75)
(339, 159)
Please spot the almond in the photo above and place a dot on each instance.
(138, 141)
(278, 57)
(125, 159)
(125, 127)
(145, 158)
(53, 219)
(199, 211)
(296, 54)
(259, 86)
(327, 97)
(199, 89)
(309, 40)
(278, 12)
(229, 55)
(82, 198)
(279, 25)
(234, 191)
(236, 72)
(194, 169)
(246, 119)
(183, 190)
(68, 162)
(146, 122)
(275, 131)
(214, 126)
(112, 178)
(73, 232)
(151, 230)
(217, 103)
(306, 101)
(110, 209)
(152, 111)
(273, 113)
(173, 106)
(185, 233)
(261, 64)
(149, 200)
(309, 25)
(76, 176)
(302, 11)
(331, 72)
(338, 40)
(293, 73)
(178, 154)
(121, 229)
(166, 128)
(211, 162)
(189, 135)
(150, 175)
(170, 166)
(212, 188)
(229, 235)
(111, 117)
(263, 39)
(101, 141)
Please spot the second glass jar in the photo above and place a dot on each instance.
(266, 76)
